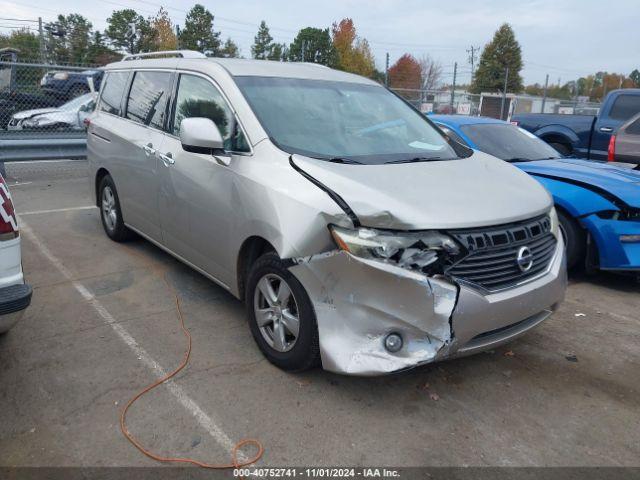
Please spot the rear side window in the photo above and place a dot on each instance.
(625, 107)
(147, 99)
(634, 128)
(197, 97)
(112, 92)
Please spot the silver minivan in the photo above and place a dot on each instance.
(359, 235)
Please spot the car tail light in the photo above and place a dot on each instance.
(611, 151)
(8, 222)
(86, 121)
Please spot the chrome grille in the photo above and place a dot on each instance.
(492, 261)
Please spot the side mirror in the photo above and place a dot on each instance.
(200, 135)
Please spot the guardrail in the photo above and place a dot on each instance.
(28, 149)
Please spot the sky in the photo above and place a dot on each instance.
(565, 39)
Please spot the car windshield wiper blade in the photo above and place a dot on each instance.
(518, 159)
(415, 160)
(342, 160)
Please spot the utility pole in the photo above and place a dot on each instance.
(473, 54)
(504, 93)
(544, 94)
(178, 36)
(41, 41)
(386, 72)
(453, 84)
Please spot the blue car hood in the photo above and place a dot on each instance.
(620, 182)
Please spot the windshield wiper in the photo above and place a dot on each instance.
(519, 159)
(415, 160)
(342, 160)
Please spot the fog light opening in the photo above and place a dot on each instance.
(393, 342)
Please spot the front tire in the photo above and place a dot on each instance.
(281, 316)
(110, 211)
(574, 239)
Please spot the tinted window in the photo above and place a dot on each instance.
(113, 91)
(625, 107)
(198, 97)
(634, 128)
(148, 98)
(508, 142)
(354, 121)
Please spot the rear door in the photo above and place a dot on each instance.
(623, 107)
(138, 183)
(196, 192)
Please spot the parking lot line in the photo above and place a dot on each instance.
(204, 420)
(69, 209)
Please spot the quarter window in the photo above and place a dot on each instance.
(197, 97)
(147, 100)
(625, 107)
(112, 92)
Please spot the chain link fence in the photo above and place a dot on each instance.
(494, 105)
(43, 108)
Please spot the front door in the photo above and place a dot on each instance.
(196, 191)
(138, 186)
(623, 108)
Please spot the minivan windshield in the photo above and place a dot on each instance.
(343, 121)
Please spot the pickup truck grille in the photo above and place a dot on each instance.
(502, 257)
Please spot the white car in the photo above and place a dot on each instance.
(15, 294)
(67, 116)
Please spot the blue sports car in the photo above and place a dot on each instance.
(598, 203)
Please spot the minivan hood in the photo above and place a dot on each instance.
(471, 192)
(623, 183)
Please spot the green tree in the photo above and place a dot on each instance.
(353, 53)
(279, 52)
(198, 33)
(119, 31)
(635, 77)
(501, 53)
(23, 40)
(68, 38)
(229, 50)
(313, 45)
(262, 43)
(99, 53)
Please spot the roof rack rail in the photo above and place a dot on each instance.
(165, 53)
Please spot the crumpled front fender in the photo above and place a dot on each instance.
(358, 302)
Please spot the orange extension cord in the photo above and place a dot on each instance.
(235, 463)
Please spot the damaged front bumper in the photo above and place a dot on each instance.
(359, 302)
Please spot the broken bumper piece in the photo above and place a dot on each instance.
(359, 302)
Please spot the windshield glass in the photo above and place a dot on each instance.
(77, 102)
(508, 142)
(341, 120)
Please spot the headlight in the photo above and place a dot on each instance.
(426, 251)
(61, 76)
(555, 223)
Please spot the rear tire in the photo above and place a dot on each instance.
(274, 299)
(110, 211)
(574, 238)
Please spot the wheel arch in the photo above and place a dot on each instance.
(251, 249)
(100, 174)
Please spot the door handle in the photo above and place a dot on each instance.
(148, 149)
(606, 129)
(166, 159)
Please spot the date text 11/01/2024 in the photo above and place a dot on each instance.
(292, 472)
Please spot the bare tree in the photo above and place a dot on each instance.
(431, 72)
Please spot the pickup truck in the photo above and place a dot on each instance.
(583, 136)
